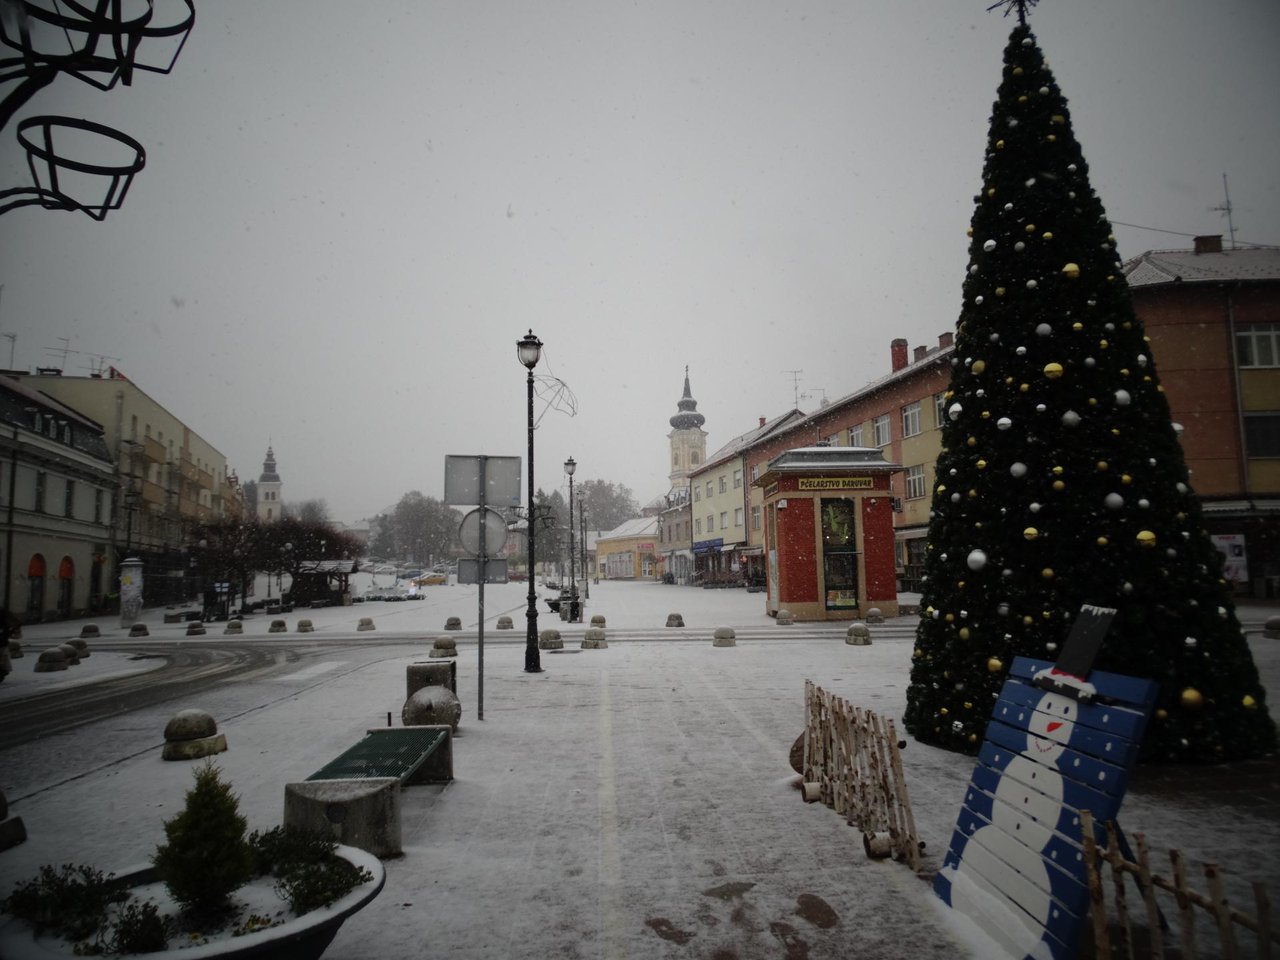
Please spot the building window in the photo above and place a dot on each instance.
(881, 428)
(915, 482)
(697, 493)
(724, 483)
(693, 457)
(724, 519)
(711, 522)
(939, 409)
(675, 458)
(69, 499)
(737, 479)
(697, 525)
(41, 478)
(737, 517)
(755, 472)
(97, 506)
(1259, 345)
(911, 419)
(709, 493)
(755, 518)
(1262, 434)
(855, 436)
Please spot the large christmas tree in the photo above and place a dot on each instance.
(1061, 481)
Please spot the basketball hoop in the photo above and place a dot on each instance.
(64, 180)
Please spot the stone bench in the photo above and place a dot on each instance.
(355, 798)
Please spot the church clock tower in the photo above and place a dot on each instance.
(269, 489)
(688, 439)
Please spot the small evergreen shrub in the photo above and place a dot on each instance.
(138, 928)
(71, 901)
(308, 873)
(207, 856)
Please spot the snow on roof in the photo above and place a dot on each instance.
(639, 527)
(831, 458)
(744, 440)
(1186, 266)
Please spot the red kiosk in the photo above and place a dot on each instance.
(829, 551)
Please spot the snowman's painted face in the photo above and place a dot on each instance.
(1051, 725)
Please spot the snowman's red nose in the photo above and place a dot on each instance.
(1053, 725)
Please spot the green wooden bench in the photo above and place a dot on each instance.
(410, 754)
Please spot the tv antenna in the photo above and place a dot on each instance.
(795, 387)
(98, 363)
(65, 350)
(1225, 207)
(816, 393)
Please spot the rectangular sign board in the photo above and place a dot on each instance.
(462, 480)
(495, 571)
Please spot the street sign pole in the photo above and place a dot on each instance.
(484, 555)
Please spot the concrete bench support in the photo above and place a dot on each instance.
(360, 813)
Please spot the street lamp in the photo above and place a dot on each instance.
(529, 350)
(582, 526)
(569, 467)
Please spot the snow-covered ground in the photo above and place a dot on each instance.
(634, 801)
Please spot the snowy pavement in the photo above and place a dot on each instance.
(629, 802)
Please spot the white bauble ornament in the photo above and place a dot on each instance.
(1018, 470)
(973, 269)
(1019, 246)
(1021, 351)
(1003, 609)
(1044, 329)
(1031, 284)
(1142, 359)
(954, 411)
(1180, 487)
(1071, 419)
(1041, 408)
(994, 338)
(1090, 362)
(1190, 642)
(976, 560)
(1071, 167)
(1114, 501)
(989, 245)
(1004, 423)
(1031, 182)
(978, 301)
(1144, 503)
(1122, 398)
(1177, 428)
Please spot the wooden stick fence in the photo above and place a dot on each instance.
(852, 764)
(1154, 928)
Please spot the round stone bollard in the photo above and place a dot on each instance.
(234, 627)
(445, 647)
(1272, 631)
(504, 623)
(15, 650)
(594, 639)
(82, 647)
(785, 618)
(89, 632)
(73, 655)
(51, 660)
(675, 620)
(432, 705)
(278, 626)
(191, 734)
(598, 621)
(366, 623)
(724, 637)
(453, 623)
(433, 674)
(196, 629)
(139, 630)
(858, 635)
(550, 640)
(304, 626)
(874, 615)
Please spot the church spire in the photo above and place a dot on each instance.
(688, 418)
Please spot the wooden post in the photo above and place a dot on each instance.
(1185, 908)
(1262, 905)
(1117, 880)
(1097, 896)
(1154, 920)
(1221, 911)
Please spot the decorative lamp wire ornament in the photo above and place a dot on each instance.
(59, 178)
(95, 44)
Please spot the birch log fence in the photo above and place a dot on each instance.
(852, 764)
(1117, 933)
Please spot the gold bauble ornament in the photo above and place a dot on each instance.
(1059, 486)
(964, 633)
(978, 366)
(1017, 71)
(944, 711)
(1053, 370)
(950, 618)
(1052, 138)
(981, 464)
(1058, 119)
(1103, 465)
(995, 665)
(1146, 538)
(1077, 326)
(1248, 702)
(999, 291)
(1028, 620)
(1162, 714)
(972, 441)
(1103, 541)
(1048, 235)
(1047, 573)
(972, 738)
(1191, 699)
(999, 144)
(1057, 470)
(1030, 533)
(1071, 271)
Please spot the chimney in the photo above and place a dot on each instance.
(920, 353)
(946, 339)
(898, 353)
(1209, 244)
(762, 421)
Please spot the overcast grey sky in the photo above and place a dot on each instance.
(351, 212)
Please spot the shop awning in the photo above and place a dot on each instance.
(751, 551)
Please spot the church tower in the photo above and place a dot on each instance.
(269, 489)
(688, 439)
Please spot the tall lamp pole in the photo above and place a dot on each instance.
(582, 526)
(529, 350)
(569, 467)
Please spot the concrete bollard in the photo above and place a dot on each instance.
(598, 621)
(15, 650)
(785, 619)
(73, 655)
(428, 706)
(81, 646)
(1272, 631)
(234, 628)
(278, 626)
(191, 734)
(675, 620)
(453, 623)
(858, 635)
(724, 637)
(874, 615)
(51, 660)
(504, 623)
(304, 626)
(366, 623)
(195, 629)
(550, 640)
(90, 632)
(139, 630)
(594, 639)
(445, 647)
